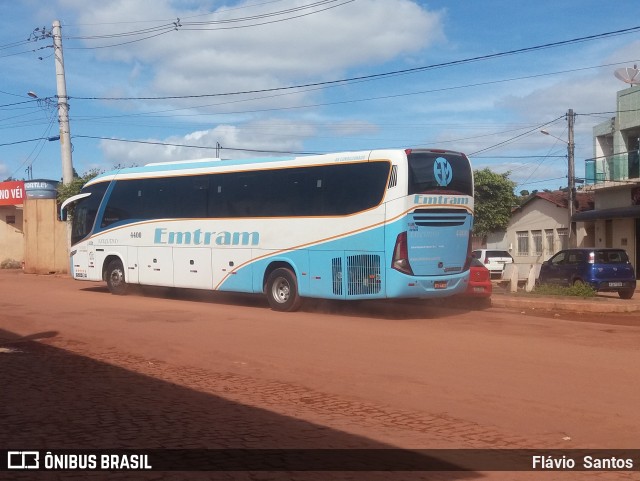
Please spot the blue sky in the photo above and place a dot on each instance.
(178, 81)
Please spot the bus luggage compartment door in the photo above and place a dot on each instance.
(192, 267)
(156, 266)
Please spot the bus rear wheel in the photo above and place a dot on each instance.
(282, 290)
(115, 278)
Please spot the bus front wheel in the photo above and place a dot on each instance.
(115, 278)
(282, 290)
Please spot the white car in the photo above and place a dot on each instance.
(494, 260)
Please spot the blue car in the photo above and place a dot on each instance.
(603, 269)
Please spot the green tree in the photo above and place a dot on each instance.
(494, 199)
(75, 186)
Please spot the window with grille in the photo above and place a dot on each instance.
(563, 237)
(522, 238)
(548, 242)
(536, 237)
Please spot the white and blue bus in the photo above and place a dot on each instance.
(355, 225)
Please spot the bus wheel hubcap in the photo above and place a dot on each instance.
(116, 278)
(281, 290)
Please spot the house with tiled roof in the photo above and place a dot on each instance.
(539, 227)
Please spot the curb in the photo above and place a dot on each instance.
(601, 305)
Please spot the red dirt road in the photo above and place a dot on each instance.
(146, 371)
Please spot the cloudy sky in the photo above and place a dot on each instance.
(179, 79)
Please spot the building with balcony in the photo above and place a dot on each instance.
(613, 175)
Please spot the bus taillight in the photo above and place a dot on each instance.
(400, 261)
(467, 264)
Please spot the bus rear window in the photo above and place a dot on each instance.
(439, 171)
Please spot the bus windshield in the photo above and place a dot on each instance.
(85, 211)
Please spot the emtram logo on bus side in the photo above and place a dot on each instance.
(205, 238)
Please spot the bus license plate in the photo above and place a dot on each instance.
(440, 285)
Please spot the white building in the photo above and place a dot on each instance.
(539, 227)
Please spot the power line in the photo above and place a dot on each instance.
(538, 127)
(28, 140)
(272, 21)
(386, 74)
(28, 161)
(518, 156)
(178, 25)
(237, 149)
(226, 9)
(203, 147)
(341, 102)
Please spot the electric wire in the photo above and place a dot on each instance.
(28, 162)
(504, 142)
(384, 74)
(203, 147)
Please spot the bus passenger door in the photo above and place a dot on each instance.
(192, 267)
(80, 262)
(155, 266)
(95, 257)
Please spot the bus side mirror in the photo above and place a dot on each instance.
(62, 215)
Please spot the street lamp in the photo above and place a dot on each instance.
(546, 132)
(42, 102)
(571, 176)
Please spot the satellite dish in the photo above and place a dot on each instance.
(628, 75)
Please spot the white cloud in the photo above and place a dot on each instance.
(321, 46)
(271, 135)
(4, 170)
(317, 46)
(587, 91)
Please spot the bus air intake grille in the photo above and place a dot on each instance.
(363, 274)
(439, 220)
(336, 275)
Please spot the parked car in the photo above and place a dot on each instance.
(493, 259)
(603, 269)
(479, 280)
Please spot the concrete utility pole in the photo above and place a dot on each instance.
(63, 106)
(571, 178)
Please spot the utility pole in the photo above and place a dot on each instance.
(63, 106)
(571, 178)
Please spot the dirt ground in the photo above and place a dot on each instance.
(159, 369)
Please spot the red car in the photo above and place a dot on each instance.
(479, 280)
